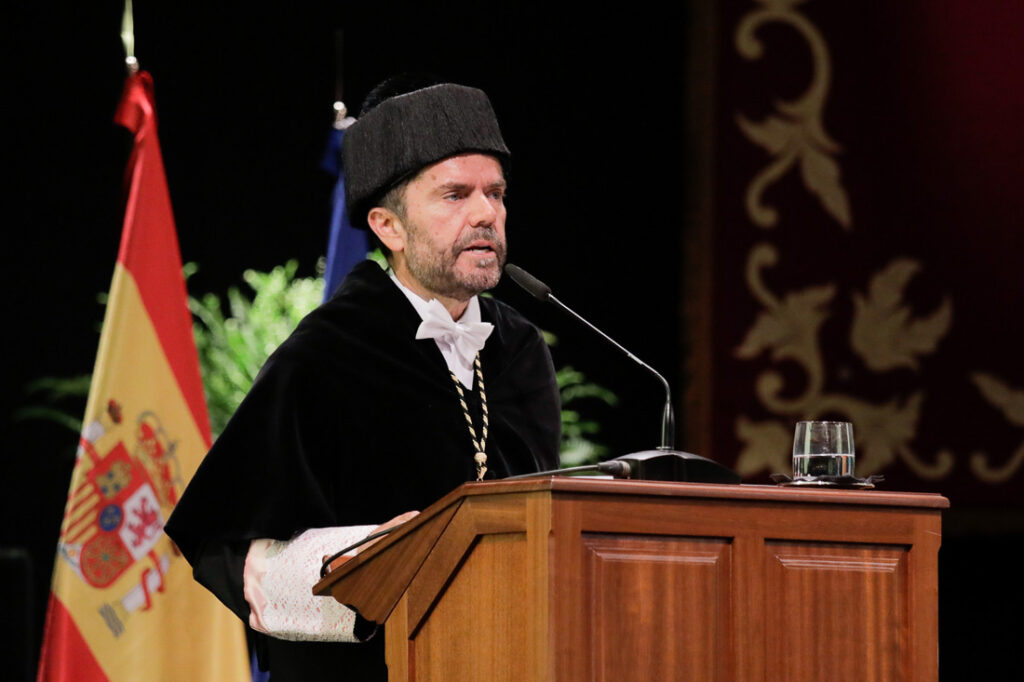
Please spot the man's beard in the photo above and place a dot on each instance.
(437, 270)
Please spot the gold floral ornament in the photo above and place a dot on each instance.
(796, 134)
(883, 333)
(1010, 402)
(768, 445)
(883, 433)
(788, 329)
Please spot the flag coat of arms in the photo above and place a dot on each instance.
(123, 604)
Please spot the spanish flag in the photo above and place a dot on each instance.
(123, 604)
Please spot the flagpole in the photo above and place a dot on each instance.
(345, 246)
(128, 38)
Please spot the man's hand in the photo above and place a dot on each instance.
(397, 521)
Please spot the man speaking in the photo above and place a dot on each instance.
(401, 387)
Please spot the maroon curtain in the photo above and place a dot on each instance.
(859, 248)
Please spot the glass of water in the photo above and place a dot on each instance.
(822, 448)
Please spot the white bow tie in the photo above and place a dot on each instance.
(466, 338)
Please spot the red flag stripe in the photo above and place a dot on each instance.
(82, 534)
(149, 246)
(76, 501)
(66, 656)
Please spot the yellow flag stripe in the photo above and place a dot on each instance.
(152, 618)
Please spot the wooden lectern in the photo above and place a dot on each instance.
(579, 579)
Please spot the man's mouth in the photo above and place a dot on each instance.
(479, 247)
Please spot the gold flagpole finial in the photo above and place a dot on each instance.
(341, 118)
(128, 37)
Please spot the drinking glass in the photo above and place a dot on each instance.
(822, 448)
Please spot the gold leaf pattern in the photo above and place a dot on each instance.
(787, 328)
(1009, 401)
(883, 334)
(821, 177)
(881, 431)
(797, 133)
(768, 447)
(883, 331)
(774, 134)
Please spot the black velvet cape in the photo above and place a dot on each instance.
(353, 421)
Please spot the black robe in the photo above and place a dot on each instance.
(353, 421)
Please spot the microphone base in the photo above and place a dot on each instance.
(678, 466)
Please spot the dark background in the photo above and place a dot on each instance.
(592, 103)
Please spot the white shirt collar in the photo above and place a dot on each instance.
(471, 314)
(460, 364)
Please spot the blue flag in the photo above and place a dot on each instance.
(346, 246)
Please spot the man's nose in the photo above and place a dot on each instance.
(482, 210)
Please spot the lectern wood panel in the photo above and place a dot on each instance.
(461, 642)
(837, 612)
(659, 606)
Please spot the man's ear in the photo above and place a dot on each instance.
(388, 228)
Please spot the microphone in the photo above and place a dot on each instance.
(533, 286)
(616, 468)
(542, 292)
(664, 463)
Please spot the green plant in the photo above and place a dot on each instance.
(578, 448)
(63, 400)
(232, 348)
(578, 444)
